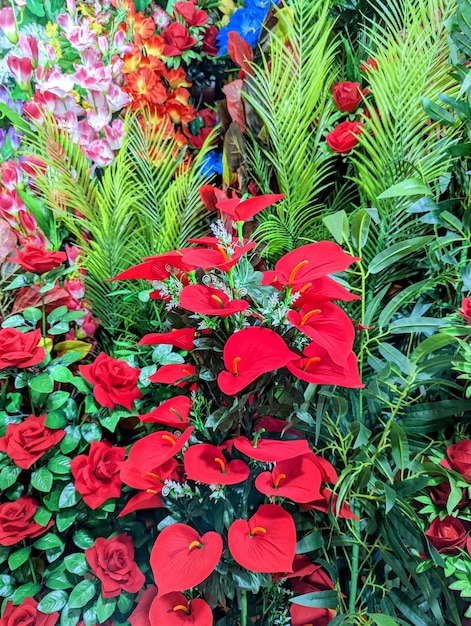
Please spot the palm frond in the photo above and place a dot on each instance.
(289, 92)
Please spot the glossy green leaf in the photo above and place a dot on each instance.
(18, 557)
(81, 594)
(48, 541)
(42, 479)
(397, 252)
(318, 599)
(407, 187)
(76, 564)
(42, 383)
(53, 601)
(337, 225)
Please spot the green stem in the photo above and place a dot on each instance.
(31, 568)
(354, 570)
(243, 607)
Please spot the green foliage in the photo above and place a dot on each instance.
(290, 100)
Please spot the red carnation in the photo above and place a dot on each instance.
(115, 382)
(112, 562)
(19, 349)
(250, 353)
(96, 475)
(28, 441)
(181, 558)
(243, 210)
(17, 521)
(173, 413)
(36, 259)
(206, 463)
(174, 609)
(266, 542)
(27, 614)
(207, 300)
(177, 39)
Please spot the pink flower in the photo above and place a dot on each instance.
(93, 77)
(8, 24)
(29, 48)
(22, 70)
(57, 83)
(98, 119)
(114, 134)
(99, 152)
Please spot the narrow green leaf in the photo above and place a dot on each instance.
(318, 599)
(312, 541)
(408, 187)
(382, 620)
(396, 252)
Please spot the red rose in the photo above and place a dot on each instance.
(17, 521)
(112, 561)
(459, 455)
(447, 535)
(27, 614)
(19, 349)
(27, 442)
(97, 477)
(115, 382)
(36, 259)
(347, 96)
(177, 39)
(344, 137)
(368, 65)
(439, 495)
(209, 41)
(466, 310)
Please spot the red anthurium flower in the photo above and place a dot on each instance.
(210, 301)
(301, 266)
(272, 450)
(173, 609)
(173, 374)
(156, 267)
(140, 615)
(153, 450)
(192, 15)
(324, 288)
(183, 338)
(219, 259)
(302, 566)
(242, 211)
(298, 479)
(181, 559)
(207, 464)
(266, 542)
(250, 353)
(328, 326)
(173, 413)
(317, 367)
(142, 500)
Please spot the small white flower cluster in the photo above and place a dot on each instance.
(276, 311)
(220, 232)
(169, 289)
(176, 490)
(218, 492)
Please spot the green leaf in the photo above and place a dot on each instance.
(399, 447)
(48, 541)
(56, 400)
(318, 599)
(42, 516)
(7, 583)
(83, 539)
(17, 121)
(71, 439)
(57, 314)
(416, 325)
(337, 225)
(110, 422)
(70, 617)
(76, 564)
(53, 601)
(382, 620)
(59, 464)
(408, 607)
(56, 420)
(105, 608)
(361, 222)
(396, 252)
(69, 496)
(125, 601)
(42, 480)
(29, 590)
(32, 315)
(42, 383)
(408, 187)
(91, 432)
(437, 112)
(17, 558)
(65, 519)
(13, 322)
(312, 541)
(81, 594)
(60, 373)
(8, 476)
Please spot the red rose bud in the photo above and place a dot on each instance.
(17, 521)
(38, 260)
(181, 558)
(347, 96)
(112, 562)
(447, 535)
(27, 614)
(114, 381)
(96, 475)
(209, 41)
(191, 15)
(439, 495)
(28, 441)
(344, 137)
(19, 349)
(459, 455)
